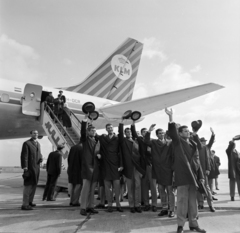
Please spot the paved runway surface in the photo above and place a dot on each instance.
(60, 217)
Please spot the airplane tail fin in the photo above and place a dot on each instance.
(115, 78)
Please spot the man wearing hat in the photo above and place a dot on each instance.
(205, 160)
(62, 97)
(31, 158)
(53, 167)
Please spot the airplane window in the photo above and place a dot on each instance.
(5, 98)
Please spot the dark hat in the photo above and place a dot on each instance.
(60, 147)
(88, 107)
(196, 125)
(237, 137)
(203, 139)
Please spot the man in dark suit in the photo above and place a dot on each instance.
(146, 162)
(53, 167)
(31, 158)
(217, 165)
(111, 166)
(74, 173)
(132, 168)
(62, 97)
(204, 156)
(90, 167)
(161, 151)
(233, 168)
(187, 174)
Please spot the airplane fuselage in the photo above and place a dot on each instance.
(15, 124)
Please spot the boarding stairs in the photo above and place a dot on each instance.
(56, 132)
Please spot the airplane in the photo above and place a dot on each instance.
(109, 87)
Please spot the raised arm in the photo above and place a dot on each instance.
(172, 129)
(120, 133)
(84, 129)
(197, 140)
(212, 139)
(133, 130)
(147, 138)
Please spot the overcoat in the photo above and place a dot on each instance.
(111, 157)
(212, 174)
(233, 161)
(30, 158)
(161, 160)
(186, 159)
(217, 164)
(90, 163)
(74, 164)
(204, 152)
(130, 154)
(54, 163)
(66, 117)
(146, 157)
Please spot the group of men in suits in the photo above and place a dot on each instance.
(175, 160)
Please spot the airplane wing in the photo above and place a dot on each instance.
(158, 102)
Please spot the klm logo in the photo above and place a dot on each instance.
(122, 70)
(121, 67)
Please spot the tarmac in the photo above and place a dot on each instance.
(59, 217)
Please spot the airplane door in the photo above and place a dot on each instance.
(31, 100)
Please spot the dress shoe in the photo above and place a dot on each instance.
(163, 213)
(32, 204)
(51, 199)
(119, 209)
(132, 210)
(100, 206)
(215, 199)
(138, 209)
(180, 229)
(83, 212)
(154, 209)
(92, 211)
(212, 209)
(213, 193)
(171, 214)
(217, 188)
(109, 209)
(77, 204)
(70, 204)
(232, 199)
(197, 229)
(146, 208)
(200, 207)
(44, 198)
(26, 207)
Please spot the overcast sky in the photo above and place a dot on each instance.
(58, 43)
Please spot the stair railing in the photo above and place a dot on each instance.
(55, 118)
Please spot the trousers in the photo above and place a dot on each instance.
(232, 186)
(134, 189)
(167, 197)
(28, 194)
(75, 194)
(109, 185)
(187, 204)
(87, 194)
(200, 197)
(145, 184)
(50, 186)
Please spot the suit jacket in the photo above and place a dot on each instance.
(130, 154)
(186, 159)
(233, 161)
(30, 158)
(146, 157)
(161, 160)
(63, 98)
(111, 156)
(90, 163)
(54, 163)
(74, 164)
